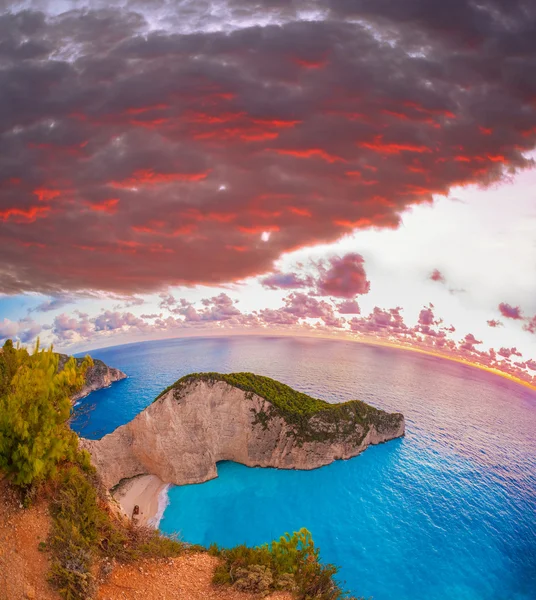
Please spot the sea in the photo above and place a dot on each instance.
(447, 512)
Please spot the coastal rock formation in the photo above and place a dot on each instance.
(256, 421)
(99, 376)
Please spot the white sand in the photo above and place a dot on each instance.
(149, 493)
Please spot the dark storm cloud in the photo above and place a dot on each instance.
(134, 157)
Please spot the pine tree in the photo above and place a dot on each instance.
(35, 407)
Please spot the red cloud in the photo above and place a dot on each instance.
(494, 323)
(378, 145)
(311, 153)
(45, 194)
(144, 177)
(510, 312)
(143, 109)
(151, 115)
(108, 206)
(23, 215)
(310, 64)
(344, 277)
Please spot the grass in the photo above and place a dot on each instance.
(311, 419)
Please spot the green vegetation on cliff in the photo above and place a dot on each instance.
(84, 530)
(39, 454)
(35, 406)
(311, 419)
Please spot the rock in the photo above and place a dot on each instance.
(192, 426)
(99, 376)
(29, 592)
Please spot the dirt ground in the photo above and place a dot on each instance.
(185, 578)
(24, 568)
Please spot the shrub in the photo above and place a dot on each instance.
(34, 409)
(292, 564)
(83, 530)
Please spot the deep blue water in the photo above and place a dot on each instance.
(448, 512)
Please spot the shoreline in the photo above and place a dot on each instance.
(148, 492)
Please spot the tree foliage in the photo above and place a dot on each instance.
(291, 563)
(35, 407)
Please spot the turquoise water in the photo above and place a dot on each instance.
(448, 512)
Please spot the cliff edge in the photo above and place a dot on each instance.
(209, 417)
(99, 376)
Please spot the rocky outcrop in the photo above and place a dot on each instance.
(191, 427)
(99, 376)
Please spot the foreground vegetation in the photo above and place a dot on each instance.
(84, 530)
(39, 454)
(311, 419)
(291, 564)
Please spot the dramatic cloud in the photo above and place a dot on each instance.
(339, 277)
(150, 145)
(343, 277)
(510, 312)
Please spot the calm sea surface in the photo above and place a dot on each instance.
(448, 512)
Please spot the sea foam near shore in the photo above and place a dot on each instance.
(163, 502)
(148, 493)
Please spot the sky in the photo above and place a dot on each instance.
(359, 169)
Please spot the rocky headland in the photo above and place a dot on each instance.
(99, 376)
(209, 417)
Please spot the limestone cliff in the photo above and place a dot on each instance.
(208, 418)
(99, 376)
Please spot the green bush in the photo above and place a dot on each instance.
(83, 530)
(292, 564)
(35, 406)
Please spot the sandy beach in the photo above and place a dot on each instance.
(146, 491)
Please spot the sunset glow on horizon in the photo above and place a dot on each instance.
(356, 170)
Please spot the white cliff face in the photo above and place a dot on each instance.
(181, 440)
